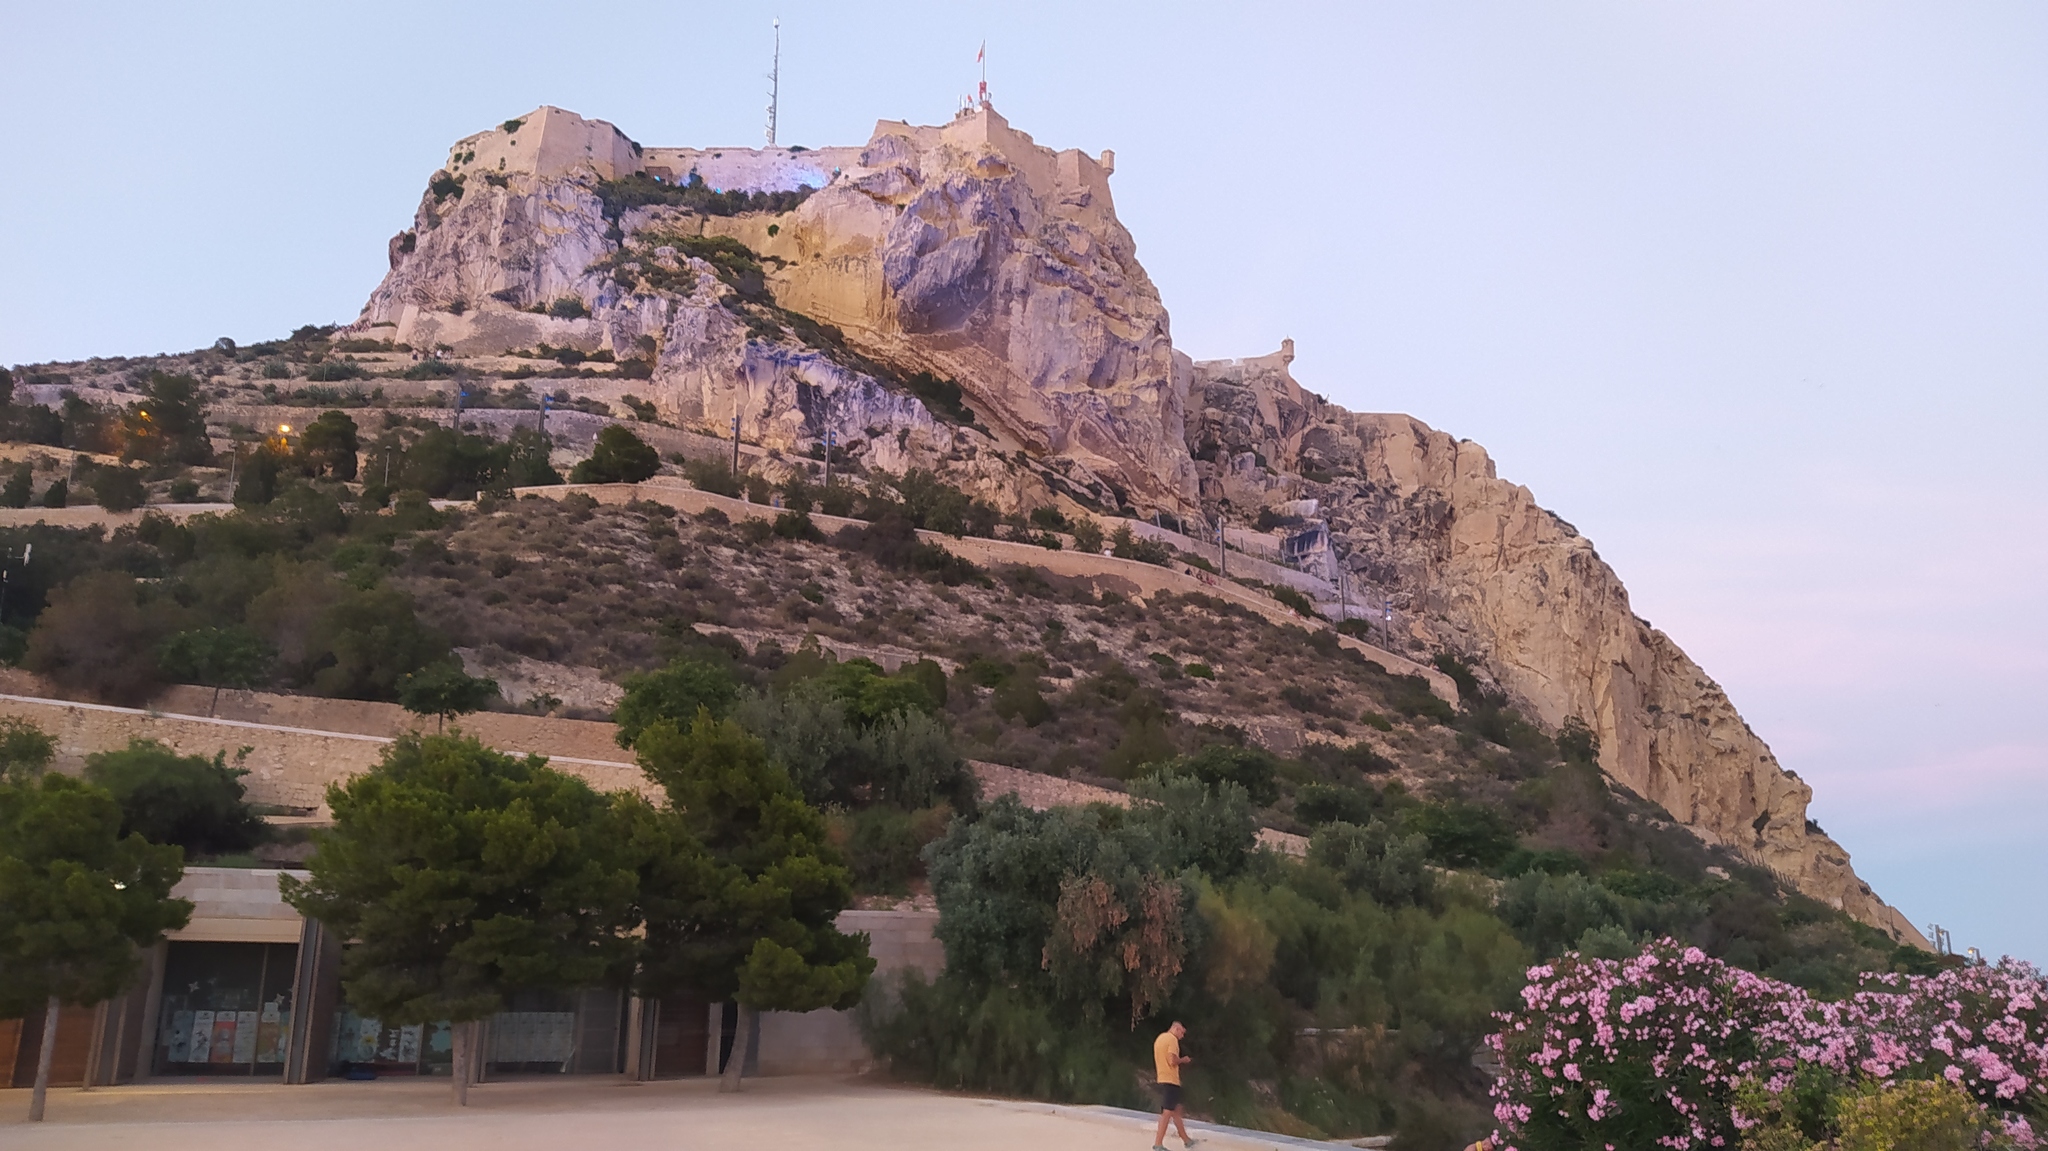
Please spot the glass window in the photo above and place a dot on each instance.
(227, 1009)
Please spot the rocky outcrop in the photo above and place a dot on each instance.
(972, 251)
(1475, 566)
(966, 251)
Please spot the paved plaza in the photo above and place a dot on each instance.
(781, 1114)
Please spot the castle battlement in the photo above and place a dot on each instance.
(551, 142)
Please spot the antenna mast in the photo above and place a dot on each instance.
(775, 82)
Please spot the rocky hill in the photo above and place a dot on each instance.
(962, 301)
(976, 257)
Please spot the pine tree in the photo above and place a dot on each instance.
(464, 874)
(78, 902)
(751, 920)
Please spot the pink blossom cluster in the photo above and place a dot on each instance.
(1647, 1052)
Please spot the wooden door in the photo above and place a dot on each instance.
(681, 1029)
(74, 1046)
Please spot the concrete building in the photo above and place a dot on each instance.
(250, 989)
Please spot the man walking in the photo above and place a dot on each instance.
(1167, 1061)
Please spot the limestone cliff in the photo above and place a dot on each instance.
(1473, 565)
(966, 251)
(969, 252)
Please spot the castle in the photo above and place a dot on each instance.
(550, 142)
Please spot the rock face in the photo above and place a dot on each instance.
(969, 252)
(974, 252)
(966, 251)
(1473, 565)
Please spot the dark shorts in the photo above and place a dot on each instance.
(1169, 1096)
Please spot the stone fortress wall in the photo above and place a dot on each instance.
(550, 142)
(547, 141)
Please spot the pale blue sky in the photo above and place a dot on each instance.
(1753, 293)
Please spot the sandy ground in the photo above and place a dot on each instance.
(783, 1114)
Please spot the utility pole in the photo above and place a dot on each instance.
(1343, 599)
(775, 82)
(1387, 624)
(831, 437)
(1222, 544)
(735, 440)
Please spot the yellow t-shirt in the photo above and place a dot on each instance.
(1166, 1054)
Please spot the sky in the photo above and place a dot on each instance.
(1753, 293)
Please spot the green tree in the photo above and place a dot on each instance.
(759, 928)
(259, 474)
(445, 691)
(169, 425)
(1248, 767)
(78, 903)
(1463, 834)
(189, 800)
(57, 494)
(618, 457)
(21, 485)
(25, 750)
(674, 693)
(1376, 861)
(526, 460)
(341, 639)
(117, 488)
(329, 445)
(217, 657)
(96, 637)
(465, 874)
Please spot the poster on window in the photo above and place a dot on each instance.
(223, 1038)
(245, 1037)
(270, 1033)
(177, 1036)
(202, 1037)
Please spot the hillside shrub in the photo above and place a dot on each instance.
(190, 800)
(674, 693)
(334, 371)
(1072, 936)
(430, 370)
(1125, 544)
(618, 457)
(21, 483)
(1296, 602)
(117, 488)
